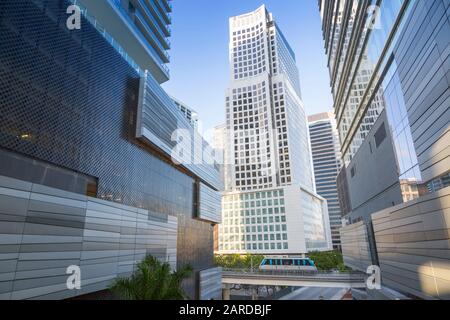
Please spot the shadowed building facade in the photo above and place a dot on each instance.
(87, 177)
(389, 70)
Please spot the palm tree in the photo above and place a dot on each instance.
(152, 280)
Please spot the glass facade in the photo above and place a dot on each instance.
(267, 141)
(254, 222)
(390, 93)
(353, 109)
(316, 227)
(374, 85)
(327, 163)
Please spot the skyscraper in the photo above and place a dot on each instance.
(220, 147)
(87, 174)
(270, 204)
(326, 153)
(190, 114)
(389, 72)
(140, 28)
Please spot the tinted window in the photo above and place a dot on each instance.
(353, 171)
(380, 135)
(287, 262)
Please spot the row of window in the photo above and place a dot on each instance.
(254, 246)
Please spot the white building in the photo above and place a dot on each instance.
(270, 205)
(326, 152)
(219, 144)
(189, 113)
(219, 138)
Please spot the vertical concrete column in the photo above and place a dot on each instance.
(226, 292)
(254, 293)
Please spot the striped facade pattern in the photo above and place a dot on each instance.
(161, 124)
(210, 204)
(413, 242)
(355, 246)
(141, 27)
(411, 238)
(326, 156)
(43, 231)
(210, 284)
(423, 58)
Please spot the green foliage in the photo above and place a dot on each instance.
(153, 280)
(328, 260)
(236, 261)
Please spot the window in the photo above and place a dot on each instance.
(380, 135)
(353, 171)
(287, 262)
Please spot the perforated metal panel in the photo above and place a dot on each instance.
(69, 99)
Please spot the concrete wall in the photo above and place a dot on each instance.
(413, 242)
(375, 184)
(45, 230)
(355, 246)
(210, 284)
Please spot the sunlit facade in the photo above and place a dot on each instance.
(270, 204)
(388, 63)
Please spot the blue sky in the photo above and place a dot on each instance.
(199, 64)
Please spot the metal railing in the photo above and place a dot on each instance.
(118, 5)
(108, 37)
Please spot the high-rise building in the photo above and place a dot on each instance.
(270, 205)
(140, 28)
(220, 146)
(219, 139)
(87, 173)
(389, 70)
(326, 153)
(189, 113)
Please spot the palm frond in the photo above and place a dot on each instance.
(152, 280)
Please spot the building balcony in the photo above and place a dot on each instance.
(116, 21)
(159, 31)
(161, 4)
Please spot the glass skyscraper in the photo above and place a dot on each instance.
(269, 204)
(388, 63)
(326, 153)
